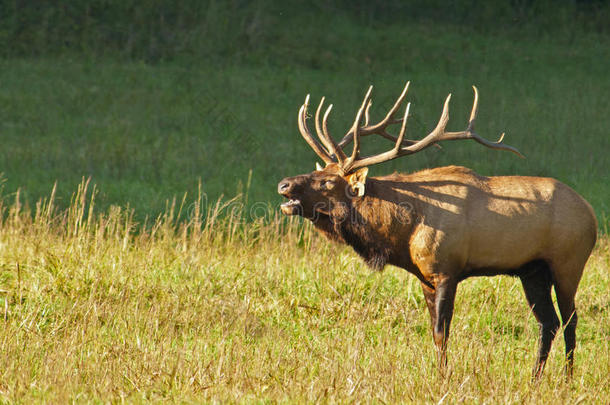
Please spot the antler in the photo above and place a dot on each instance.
(380, 127)
(328, 146)
(315, 145)
(354, 161)
(437, 135)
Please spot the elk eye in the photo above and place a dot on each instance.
(327, 184)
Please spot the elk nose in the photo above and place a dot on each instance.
(284, 187)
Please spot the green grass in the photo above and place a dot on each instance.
(146, 133)
(209, 310)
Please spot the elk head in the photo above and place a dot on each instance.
(326, 191)
(331, 190)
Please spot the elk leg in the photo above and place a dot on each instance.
(429, 295)
(570, 319)
(443, 308)
(565, 300)
(536, 280)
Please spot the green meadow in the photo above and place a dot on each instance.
(142, 255)
(145, 132)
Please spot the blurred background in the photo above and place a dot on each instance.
(153, 99)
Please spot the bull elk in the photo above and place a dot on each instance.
(447, 224)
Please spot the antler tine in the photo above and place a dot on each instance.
(380, 127)
(356, 129)
(403, 128)
(389, 155)
(387, 120)
(435, 135)
(323, 134)
(475, 108)
(497, 145)
(493, 145)
(366, 113)
(331, 142)
(470, 134)
(302, 122)
(317, 121)
(396, 152)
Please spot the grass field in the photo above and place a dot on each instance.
(170, 276)
(212, 310)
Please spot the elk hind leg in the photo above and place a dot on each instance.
(537, 282)
(565, 290)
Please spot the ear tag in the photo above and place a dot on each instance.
(319, 167)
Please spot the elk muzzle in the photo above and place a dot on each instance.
(286, 188)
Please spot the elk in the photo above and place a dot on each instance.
(447, 224)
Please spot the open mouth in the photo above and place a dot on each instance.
(291, 207)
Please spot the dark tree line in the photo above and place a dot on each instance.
(161, 29)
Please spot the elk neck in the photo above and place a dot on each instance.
(375, 224)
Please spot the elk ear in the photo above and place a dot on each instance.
(319, 167)
(357, 180)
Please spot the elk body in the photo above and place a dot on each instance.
(447, 224)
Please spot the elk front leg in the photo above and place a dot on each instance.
(429, 295)
(440, 304)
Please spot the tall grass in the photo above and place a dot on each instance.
(97, 307)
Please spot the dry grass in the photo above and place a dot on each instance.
(95, 307)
